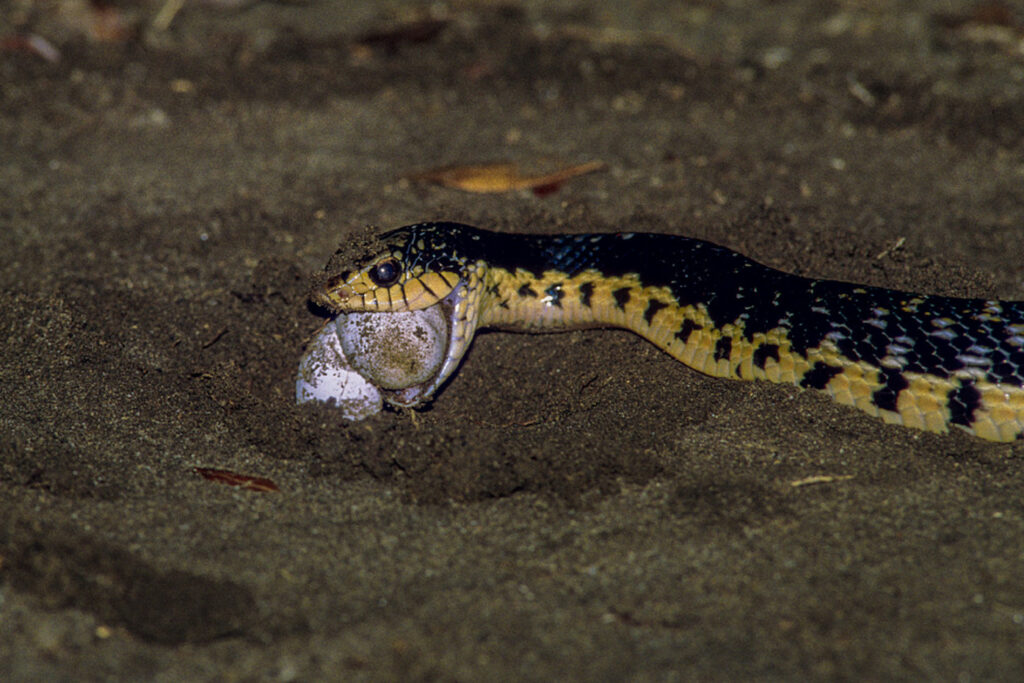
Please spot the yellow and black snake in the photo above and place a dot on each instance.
(921, 361)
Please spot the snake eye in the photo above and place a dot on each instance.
(386, 273)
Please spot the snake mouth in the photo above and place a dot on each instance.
(338, 296)
(459, 337)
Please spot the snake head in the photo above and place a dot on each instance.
(407, 269)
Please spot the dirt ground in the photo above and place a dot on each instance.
(573, 506)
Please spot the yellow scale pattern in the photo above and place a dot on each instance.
(922, 405)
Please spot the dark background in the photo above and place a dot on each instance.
(574, 505)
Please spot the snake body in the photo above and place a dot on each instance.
(922, 361)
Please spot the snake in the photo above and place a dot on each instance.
(923, 361)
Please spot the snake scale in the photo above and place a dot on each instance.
(922, 361)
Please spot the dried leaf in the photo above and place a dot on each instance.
(411, 33)
(503, 177)
(229, 478)
(820, 479)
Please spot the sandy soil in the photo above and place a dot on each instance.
(571, 506)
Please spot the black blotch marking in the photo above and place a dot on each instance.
(1005, 371)
(556, 294)
(688, 328)
(621, 296)
(963, 401)
(526, 291)
(819, 376)
(885, 398)
(653, 306)
(764, 352)
(586, 291)
(723, 348)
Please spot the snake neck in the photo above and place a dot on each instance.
(654, 285)
(555, 300)
(690, 298)
(659, 291)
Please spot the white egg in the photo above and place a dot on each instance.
(354, 357)
(325, 375)
(395, 350)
